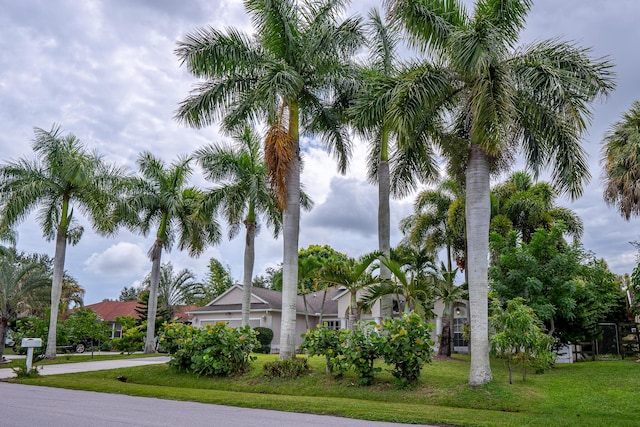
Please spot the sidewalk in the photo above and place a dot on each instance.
(101, 365)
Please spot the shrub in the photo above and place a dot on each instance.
(291, 368)
(360, 348)
(132, 335)
(406, 345)
(212, 350)
(265, 336)
(324, 341)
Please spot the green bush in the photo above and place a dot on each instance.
(326, 342)
(265, 336)
(291, 368)
(404, 343)
(214, 350)
(132, 335)
(407, 345)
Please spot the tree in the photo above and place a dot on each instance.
(129, 294)
(160, 197)
(568, 289)
(294, 71)
(218, 279)
(174, 289)
(521, 205)
(243, 195)
(396, 163)
(519, 335)
(621, 163)
(354, 276)
(534, 98)
(62, 177)
(17, 281)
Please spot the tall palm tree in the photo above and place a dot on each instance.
(62, 177)
(243, 195)
(536, 98)
(17, 280)
(294, 72)
(354, 276)
(160, 198)
(621, 163)
(396, 163)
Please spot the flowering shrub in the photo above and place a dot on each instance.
(326, 342)
(404, 343)
(407, 345)
(212, 350)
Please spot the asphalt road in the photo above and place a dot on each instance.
(33, 406)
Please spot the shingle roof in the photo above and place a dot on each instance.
(109, 310)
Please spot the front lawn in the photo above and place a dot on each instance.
(585, 394)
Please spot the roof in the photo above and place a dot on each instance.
(272, 300)
(109, 310)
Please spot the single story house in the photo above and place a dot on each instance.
(107, 311)
(329, 307)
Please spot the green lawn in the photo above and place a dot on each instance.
(584, 394)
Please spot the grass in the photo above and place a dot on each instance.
(74, 358)
(587, 394)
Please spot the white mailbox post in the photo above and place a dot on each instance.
(30, 344)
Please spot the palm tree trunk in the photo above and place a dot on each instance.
(152, 307)
(291, 231)
(56, 290)
(306, 311)
(445, 335)
(384, 230)
(3, 334)
(353, 311)
(478, 212)
(249, 257)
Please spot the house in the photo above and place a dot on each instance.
(330, 307)
(266, 311)
(108, 311)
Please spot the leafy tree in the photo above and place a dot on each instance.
(129, 294)
(533, 99)
(84, 323)
(160, 198)
(63, 176)
(566, 287)
(217, 281)
(621, 163)
(294, 71)
(519, 336)
(18, 280)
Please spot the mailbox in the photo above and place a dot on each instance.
(31, 342)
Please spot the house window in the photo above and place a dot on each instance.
(458, 328)
(332, 324)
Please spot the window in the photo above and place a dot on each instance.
(332, 324)
(458, 336)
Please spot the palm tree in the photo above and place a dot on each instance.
(63, 176)
(243, 195)
(17, 280)
(293, 72)
(354, 276)
(160, 197)
(535, 98)
(521, 205)
(620, 160)
(174, 289)
(396, 163)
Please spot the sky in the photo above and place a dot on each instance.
(106, 72)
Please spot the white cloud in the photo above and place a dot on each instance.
(121, 259)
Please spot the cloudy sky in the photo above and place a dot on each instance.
(106, 71)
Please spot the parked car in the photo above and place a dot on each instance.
(9, 341)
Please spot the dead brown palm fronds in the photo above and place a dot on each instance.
(278, 156)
